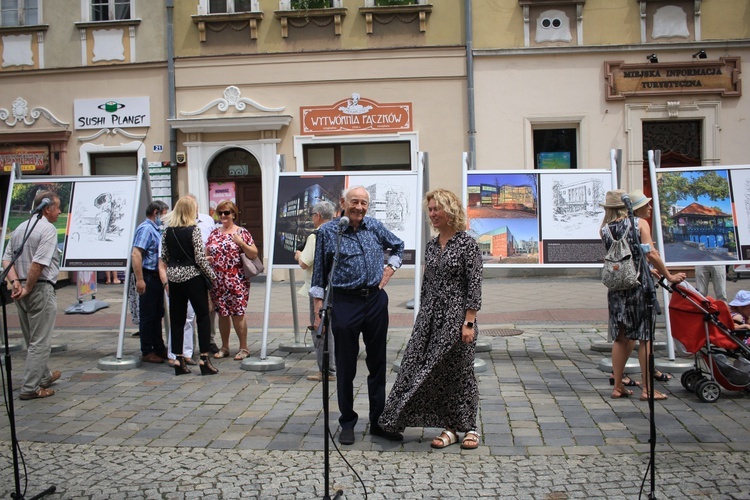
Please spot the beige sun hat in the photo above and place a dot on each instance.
(613, 199)
(638, 199)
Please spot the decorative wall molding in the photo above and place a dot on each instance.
(20, 112)
(113, 131)
(232, 97)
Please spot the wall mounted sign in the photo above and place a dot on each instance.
(122, 112)
(33, 159)
(695, 77)
(356, 115)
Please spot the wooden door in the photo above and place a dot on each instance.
(250, 205)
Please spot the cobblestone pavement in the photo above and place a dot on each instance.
(549, 429)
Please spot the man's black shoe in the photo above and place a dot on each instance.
(213, 348)
(376, 430)
(346, 436)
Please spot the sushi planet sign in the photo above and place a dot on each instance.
(123, 112)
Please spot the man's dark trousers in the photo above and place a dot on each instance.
(151, 311)
(350, 316)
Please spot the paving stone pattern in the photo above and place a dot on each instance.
(549, 429)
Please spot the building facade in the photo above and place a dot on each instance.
(83, 86)
(245, 88)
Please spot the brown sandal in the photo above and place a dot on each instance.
(40, 393)
(625, 393)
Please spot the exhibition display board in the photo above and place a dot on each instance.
(96, 225)
(537, 218)
(703, 214)
(395, 201)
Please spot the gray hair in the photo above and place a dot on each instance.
(325, 209)
(346, 192)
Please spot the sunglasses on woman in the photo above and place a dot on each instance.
(225, 212)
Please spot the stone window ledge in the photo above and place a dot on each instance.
(108, 24)
(320, 17)
(218, 22)
(387, 13)
(33, 28)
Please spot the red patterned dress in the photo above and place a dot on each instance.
(230, 291)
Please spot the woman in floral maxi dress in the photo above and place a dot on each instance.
(435, 386)
(231, 290)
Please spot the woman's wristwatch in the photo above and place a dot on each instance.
(470, 324)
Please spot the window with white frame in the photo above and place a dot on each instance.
(231, 6)
(111, 10)
(19, 12)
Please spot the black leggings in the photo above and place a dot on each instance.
(193, 290)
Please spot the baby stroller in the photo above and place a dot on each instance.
(722, 359)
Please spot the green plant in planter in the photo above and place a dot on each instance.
(310, 4)
(383, 3)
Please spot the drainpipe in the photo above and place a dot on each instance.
(170, 83)
(470, 84)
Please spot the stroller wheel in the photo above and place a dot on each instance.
(690, 379)
(708, 391)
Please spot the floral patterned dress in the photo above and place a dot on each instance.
(436, 386)
(231, 290)
(627, 307)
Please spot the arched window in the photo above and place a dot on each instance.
(233, 163)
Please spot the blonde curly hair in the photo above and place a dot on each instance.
(449, 203)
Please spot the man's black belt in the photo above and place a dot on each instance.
(41, 281)
(356, 292)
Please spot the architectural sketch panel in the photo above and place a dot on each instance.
(101, 217)
(393, 202)
(570, 202)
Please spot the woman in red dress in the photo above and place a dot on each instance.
(231, 290)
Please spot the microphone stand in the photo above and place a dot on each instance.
(324, 330)
(653, 308)
(8, 372)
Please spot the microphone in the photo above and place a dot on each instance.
(44, 204)
(343, 223)
(626, 200)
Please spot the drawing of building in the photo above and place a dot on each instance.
(578, 197)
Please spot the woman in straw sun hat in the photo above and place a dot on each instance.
(628, 320)
(642, 209)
